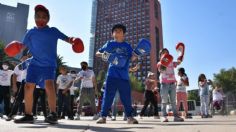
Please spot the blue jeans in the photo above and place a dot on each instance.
(124, 89)
(168, 91)
(204, 104)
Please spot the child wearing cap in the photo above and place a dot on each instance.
(42, 44)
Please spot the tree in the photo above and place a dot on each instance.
(59, 63)
(193, 95)
(136, 84)
(227, 79)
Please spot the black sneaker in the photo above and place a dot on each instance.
(25, 119)
(51, 118)
(9, 118)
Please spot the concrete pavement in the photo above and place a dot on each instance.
(147, 124)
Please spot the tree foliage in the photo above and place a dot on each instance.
(136, 84)
(227, 79)
(59, 63)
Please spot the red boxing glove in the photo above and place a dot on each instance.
(166, 59)
(77, 45)
(13, 48)
(180, 48)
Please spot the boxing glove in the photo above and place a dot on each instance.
(77, 44)
(180, 48)
(143, 47)
(13, 48)
(166, 59)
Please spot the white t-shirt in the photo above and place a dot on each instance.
(73, 87)
(20, 74)
(217, 96)
(5, 77)
(63, 81)
(87, 78)
(180, 84)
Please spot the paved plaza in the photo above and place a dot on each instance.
(147, 124)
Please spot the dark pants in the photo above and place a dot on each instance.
(64, 100)
(6, 97)
(149, 98)
(72, 98)
(39, 93)
(19, 97)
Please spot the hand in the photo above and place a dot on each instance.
(105, 56)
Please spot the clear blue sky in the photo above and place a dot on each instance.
(207, 27)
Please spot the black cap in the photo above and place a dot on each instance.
(121, 26)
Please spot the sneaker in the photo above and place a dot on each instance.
(1, 115)
(52, 118)
(164, 119)
(113, 118)
(188, 117)
(132, 120)
(209, 116)
(140, 117)
(101, 120)
(70, 118)
(95, 117)
(156, 117)
(25, 119)
(77, 117)
(204, 116)
(9, 118)
(178, 119)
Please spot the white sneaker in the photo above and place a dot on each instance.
(95, 117)
(77, 117)
(101, 120)
(113, 118)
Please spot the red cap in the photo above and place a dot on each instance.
(41, 8)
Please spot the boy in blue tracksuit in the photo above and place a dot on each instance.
(117, 77)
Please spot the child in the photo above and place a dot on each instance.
(64, 83)
(204, 95)
(181, 91)
(5, 83)
(117, 77)
(42, 43)
(168, 88)
(150, 85)
(18, 83)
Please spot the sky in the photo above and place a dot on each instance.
(206, 27)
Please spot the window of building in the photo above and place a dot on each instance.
(156, 9)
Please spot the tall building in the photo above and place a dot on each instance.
(142, 19)
(13, 22)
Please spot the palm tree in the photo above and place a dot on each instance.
(59, 63)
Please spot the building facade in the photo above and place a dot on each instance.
(13, 22)
(142, 19)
